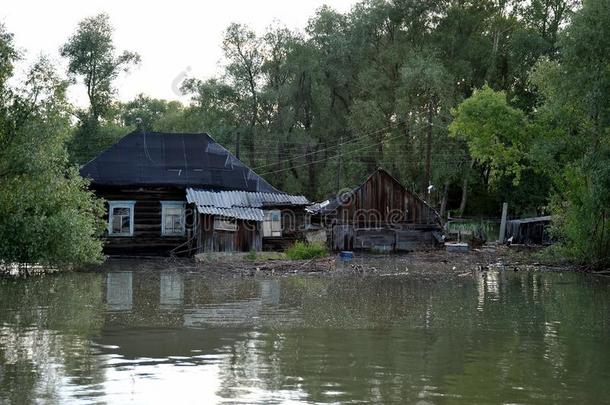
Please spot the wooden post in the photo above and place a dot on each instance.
(237, 144)
(503, 223)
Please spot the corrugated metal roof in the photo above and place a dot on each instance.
(251, 214)
(240, 204)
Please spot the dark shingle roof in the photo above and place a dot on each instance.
(171, 159)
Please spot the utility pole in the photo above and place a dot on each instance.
(237, 142)
(339, 164)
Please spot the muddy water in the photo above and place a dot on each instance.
(158, 335)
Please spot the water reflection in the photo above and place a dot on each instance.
(171, 290)
(164, 335)
(119, 291)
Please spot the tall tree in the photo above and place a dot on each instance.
(92, 57)
(427, 90)
(242, 51)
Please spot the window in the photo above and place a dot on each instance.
(120, 218)
(272, 225)
(172, 218)
(225, 224)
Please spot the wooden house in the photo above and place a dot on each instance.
(380, 215)
(177, 193)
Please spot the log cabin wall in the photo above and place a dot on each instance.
(147, 239)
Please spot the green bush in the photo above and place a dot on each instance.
(305, 251)
(581, 211)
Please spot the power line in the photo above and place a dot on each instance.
(357, 139)
(437, 162)
(328, 158)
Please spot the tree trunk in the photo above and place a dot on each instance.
(426, 179)
(311, 171)
(464, 195)
(444, 200)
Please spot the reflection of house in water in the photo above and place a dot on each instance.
(270, 292)
(171, 290)
(227, 314)
(119, 291)
(135, 299)
(240, 312)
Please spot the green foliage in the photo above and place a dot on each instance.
(306, 251)
(8, 55)
(91, 56)
(49, 216)
(494, 131)
(89, 139)
(488, 230)
(154, 114)
(582, 212)
(251, 256)
(563, 146)
(574, 123)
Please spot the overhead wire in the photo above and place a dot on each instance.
(450, 157)
(351, 141)
(329, 157)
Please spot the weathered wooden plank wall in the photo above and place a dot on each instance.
(147, 238)
(247, 237)
(395, 238)
(382, 215)
(382, 200)
(293, 224)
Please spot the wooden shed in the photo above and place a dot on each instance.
(529, 230)
(381, 215)
(146, 178)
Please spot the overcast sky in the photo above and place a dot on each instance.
(174, 38)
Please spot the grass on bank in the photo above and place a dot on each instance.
(306, 251)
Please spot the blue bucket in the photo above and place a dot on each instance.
(346, 255)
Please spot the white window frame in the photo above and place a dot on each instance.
(225, 224)
(173, 204)
(268, 230)
(121, 204)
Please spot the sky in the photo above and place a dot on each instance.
(175, 38)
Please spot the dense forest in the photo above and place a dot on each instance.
(485, 101)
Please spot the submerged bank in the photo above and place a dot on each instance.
(437, 262)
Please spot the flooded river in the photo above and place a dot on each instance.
(160, 336)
